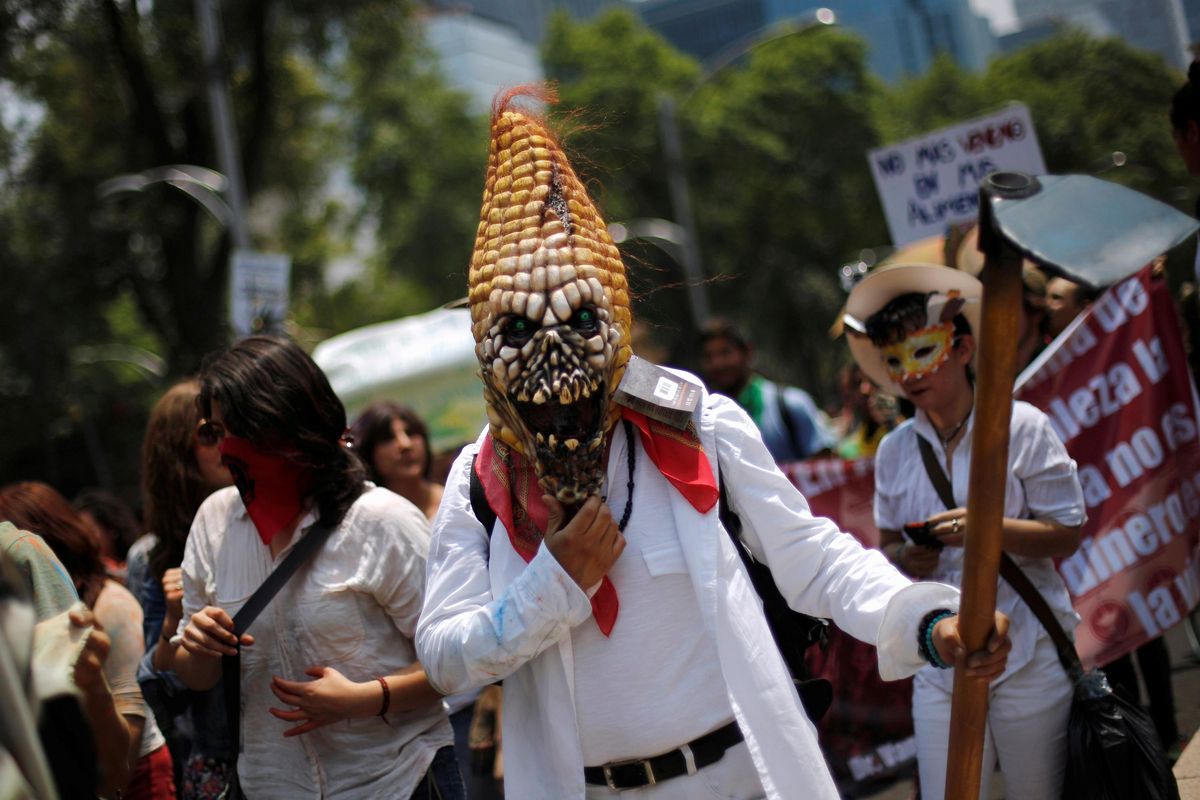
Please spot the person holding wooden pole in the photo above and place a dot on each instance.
(918, 340)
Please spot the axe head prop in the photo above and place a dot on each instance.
(1090, 231)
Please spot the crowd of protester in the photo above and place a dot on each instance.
(327, 696)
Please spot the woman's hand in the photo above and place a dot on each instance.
(210, 633)
(917, 560)
(987, 664)
(331, 697)
(172, 586)
(950, 526)
(89, 667)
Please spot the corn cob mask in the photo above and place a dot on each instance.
(549, 309)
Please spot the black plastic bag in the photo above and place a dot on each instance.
(1113, 750)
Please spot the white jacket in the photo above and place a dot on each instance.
(490, 615)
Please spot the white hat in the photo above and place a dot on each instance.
(885, 284)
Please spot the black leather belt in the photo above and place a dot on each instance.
(693, 756)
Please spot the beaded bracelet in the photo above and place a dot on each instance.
(925, 644)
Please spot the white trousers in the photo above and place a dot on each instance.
(732, 778)
(1027, 730)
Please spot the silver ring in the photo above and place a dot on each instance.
(954, 526)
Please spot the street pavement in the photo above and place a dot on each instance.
(1185, 676)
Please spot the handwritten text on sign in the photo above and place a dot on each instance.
(932, 181)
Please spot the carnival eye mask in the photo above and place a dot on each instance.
(920, 353)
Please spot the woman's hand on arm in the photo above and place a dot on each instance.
(208, 636)
(912, 559)
(1031, 538)
(332, 697)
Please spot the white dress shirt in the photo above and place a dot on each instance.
(489, 614)
(1042, 484)
(354, 608)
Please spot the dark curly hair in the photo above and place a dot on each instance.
(374, 426)
(274, 395)
(1185, 105)
(903, 315)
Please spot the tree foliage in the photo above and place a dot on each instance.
(113, 87)
(356, 153)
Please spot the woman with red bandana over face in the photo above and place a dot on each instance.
(918, 342)
(334, 702)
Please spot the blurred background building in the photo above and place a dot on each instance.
(1166, 27)
(485, 45)
(904, 36)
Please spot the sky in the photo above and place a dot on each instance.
(999, 12)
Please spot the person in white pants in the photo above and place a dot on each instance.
(918, 342)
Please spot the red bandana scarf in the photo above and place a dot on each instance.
(510, 484)
(273, 487)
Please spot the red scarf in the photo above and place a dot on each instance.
(273, 487)
(510, 484)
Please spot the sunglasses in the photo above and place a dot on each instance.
(210, 433)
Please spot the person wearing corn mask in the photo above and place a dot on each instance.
(602, 588)
(915, 338)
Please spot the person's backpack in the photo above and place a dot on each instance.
(793, 632)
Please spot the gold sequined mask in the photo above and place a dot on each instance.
(920, 353)
(549, 308)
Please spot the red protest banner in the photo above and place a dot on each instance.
(867, 734)
(1119, 394)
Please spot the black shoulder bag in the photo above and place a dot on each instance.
(231, 666)
(793, 632)
(1113, 750)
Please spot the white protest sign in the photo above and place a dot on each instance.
(258, 292)
(932, 181)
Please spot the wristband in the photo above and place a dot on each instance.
(387, 697)
(925, 644)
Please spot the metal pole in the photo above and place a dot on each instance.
(1179, 27)
(222, 120)
(681, 204)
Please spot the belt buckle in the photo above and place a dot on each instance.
(646, 768)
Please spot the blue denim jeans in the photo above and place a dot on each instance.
(443, 780)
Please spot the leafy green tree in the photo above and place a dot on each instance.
(1088, 97)
(783, 191)
(418, 156)
(115, 87)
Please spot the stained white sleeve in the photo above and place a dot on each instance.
(820, 570)
(467, 637)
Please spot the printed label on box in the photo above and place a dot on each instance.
(666, 389)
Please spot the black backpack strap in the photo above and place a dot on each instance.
(231, 666)
(792, 631)
(479, 503)
(786, 414)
